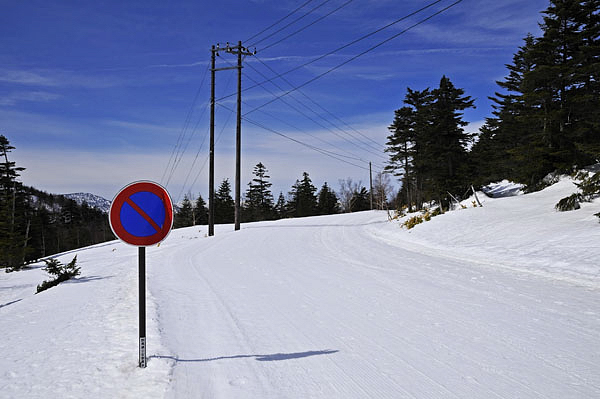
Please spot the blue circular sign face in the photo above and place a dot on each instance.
(134, 223)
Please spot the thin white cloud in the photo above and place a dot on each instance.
(35, 96)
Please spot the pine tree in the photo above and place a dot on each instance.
(259, 200)
(303, 201)
(15, 212)
(224, 204)
(327, 201)
(185, 215)
(280, 210)
(360, 200)
(200, 211)
(446, 146)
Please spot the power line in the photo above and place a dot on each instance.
(307, 116)
(355, 57)
(291, 23)
(185, 125)
(313, 120)
(278, 21)
(344, 46)
(328, 153)
(318, 105)
(307, 26)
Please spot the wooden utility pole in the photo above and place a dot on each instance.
(211, 163)
(371, 185)
(239, 50)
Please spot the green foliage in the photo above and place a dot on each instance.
(224, 204)
(569, 203)
(590, 189)
(547, 119)
(360, 200)
(184, 217)
(259, 199)
(428, 144)
(200, 211)
(60, 272)
(590, 186)
(327, 201)
(303, 201)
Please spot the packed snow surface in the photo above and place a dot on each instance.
(499, 301)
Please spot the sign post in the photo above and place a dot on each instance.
(141, 214)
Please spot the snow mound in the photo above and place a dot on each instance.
(523, 233)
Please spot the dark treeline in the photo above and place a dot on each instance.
(547, 119)
(34, 224)
(303, 199)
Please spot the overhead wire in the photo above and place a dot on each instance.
(178, 151)
(200, 149)
(355, 57)
(306, 26)
(322, 108)
(290, 24)
(312, 147)
(185, 125)
(344, 46)
(279, 20)
(315, 103)
(314, 121)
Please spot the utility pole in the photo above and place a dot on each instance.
(211, 163)
(371, 185)
(240, 51)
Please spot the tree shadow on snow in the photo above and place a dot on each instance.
(261, 358)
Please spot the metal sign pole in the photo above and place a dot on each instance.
(142, 293)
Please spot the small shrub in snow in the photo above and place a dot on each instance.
(590, 189)
(60, 272)
(569, 203)
(413, 221)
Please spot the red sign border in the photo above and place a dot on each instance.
(117, 203)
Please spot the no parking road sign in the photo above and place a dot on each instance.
(142, 214)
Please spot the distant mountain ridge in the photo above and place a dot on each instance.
(93, 201)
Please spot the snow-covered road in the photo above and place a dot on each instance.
(323, 308)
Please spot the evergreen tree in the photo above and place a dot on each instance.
(303, 201)
(327, 201)
(185, 215)
(224, 204)
(447, 142)
(428, 145)
(259, 200)
(15, 212)
(361, 200)
(200, 211)
(549, 118)
(280, 209)
(408, 143)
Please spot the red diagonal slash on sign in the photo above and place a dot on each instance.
(142, 214)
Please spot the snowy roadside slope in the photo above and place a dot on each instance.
(523, 233)
(79, 339)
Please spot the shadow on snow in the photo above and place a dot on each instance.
(260, 358)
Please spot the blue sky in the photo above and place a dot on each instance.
(95, 95)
